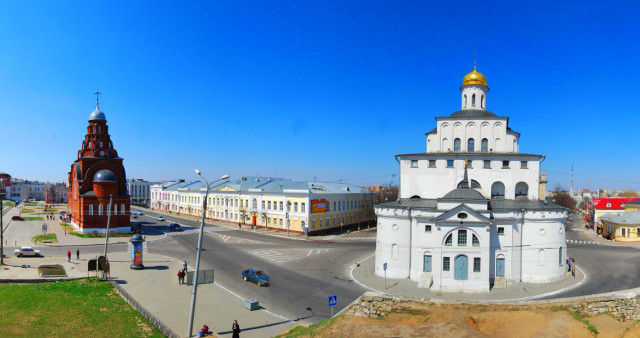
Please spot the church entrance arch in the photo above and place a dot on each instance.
(497, 190)
(462, 267)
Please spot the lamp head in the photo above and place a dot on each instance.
(224, 177)
(197, 172)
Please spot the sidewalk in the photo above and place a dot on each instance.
(157, 289)
(365, 275)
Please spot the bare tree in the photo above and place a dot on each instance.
(628, 193)
(562, 198)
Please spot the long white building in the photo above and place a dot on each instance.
(468, 216)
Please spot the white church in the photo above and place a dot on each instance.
(468, 217)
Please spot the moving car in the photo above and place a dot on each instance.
(159, 218)
(17, 218)
(175, 227)
(256, 276)
(134, 216)
(140, 213)
(27, 251)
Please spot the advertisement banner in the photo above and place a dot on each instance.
(318, 206)
(136, 253)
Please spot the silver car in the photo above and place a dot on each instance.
(27, 251)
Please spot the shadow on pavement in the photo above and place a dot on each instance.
(157, 267)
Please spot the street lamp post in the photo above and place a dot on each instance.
(2, 193)
(288, 209)
(194, 291)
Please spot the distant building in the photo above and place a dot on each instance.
(622, 227)
(56, 193)
(140, 191)
(96, 177)
(275, 203)
(607, 205)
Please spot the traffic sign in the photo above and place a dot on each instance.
(333, 300)
(384, 267)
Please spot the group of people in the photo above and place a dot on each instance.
(182, 273)
(69, 255)
(571, 266)
(51, 216)
(235, 328)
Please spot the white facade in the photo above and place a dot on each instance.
(140, 191)
(468, 216)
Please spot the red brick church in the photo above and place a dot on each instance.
(95, 177)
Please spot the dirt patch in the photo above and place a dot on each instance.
(460, 320)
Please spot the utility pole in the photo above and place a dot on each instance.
(106, 239)
(2, 193)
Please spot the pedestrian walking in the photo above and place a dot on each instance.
(68, 256)
(236, 329)
(573, 267)
(180, 276)
(568, 265)
(184, 267)
(78, 254)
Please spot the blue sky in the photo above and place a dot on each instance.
(301, 89)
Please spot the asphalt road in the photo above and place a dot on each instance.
(303, 274)
(608, 268)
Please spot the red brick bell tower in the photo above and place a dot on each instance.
(95, 177)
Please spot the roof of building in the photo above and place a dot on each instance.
(626, 218)
(612, 203)
(466, 194)
(105, 175)
(636, 202)
(473, 113)
(519, 204)
(411, 203)
(97, 114)
(474, 77)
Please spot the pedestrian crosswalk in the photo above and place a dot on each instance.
(282, 257)
(581, 242)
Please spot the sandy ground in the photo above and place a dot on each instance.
(460, 320)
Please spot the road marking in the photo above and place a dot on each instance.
(272, 255)
(234, 239)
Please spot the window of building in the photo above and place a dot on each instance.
(91, 210)
(523, 164)
(302, 207)
(121, 209)
(449, 163)
(281, 205)
(313, 223)
(302, 224)
(426, 267)
(456, 145)
(487, 164)
(427, 228)
(262, 204)
(100, 210)
(334, 206)
(473, 100)
(414, 163)
(475, 241)
(505, 164)
(470, 145)
(560, 256)
(295, 206)
(432, 163)
(608, 205)
(446, 263)
(481, 101)
(449, 240)
(500, 231)
(328, 206)
(476, 264)
(281, 222)
(269, 205)
(462, 237)
(395, 251)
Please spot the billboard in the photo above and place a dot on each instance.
(318, 206)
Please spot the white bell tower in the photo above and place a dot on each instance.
(474, 90)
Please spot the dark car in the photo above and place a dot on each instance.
(256, 276)
(17, 218)
(175, 227)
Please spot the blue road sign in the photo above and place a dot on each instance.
(384, 267)
(333, 300)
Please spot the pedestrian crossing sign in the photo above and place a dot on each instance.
(333, 300)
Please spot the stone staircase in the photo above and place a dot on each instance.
(426, 280)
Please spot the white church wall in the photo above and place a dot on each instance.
(392, 245)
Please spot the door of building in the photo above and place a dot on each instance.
(462, 268)
(500, 267)
(427, 263)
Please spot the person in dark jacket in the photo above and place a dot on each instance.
(236, 329)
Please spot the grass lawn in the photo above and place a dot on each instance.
(26, 211)
(51, 237)
(9, 204)
(33, 218)
(31, 204)
(69, 308)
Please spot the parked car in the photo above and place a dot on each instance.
(17, 218)
(134, 216)
(140, 213)
(159, 218)
(175, 227)
(27, 251)
(256, 276)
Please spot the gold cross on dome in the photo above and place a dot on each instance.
(465, 162)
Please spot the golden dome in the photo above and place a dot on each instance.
(475, 77)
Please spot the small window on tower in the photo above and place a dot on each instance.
(473, 100)
(414, 163)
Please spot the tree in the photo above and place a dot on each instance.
(562, 198)
(628, 193)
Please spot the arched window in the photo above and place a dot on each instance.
(121, 209)
(541, 257)
(522, 189)
(415, 196)
(465, 100)
(100, 144)
(470, 145)
(254, 203)
(456, 145)
(485, 145)
(473, 100)
(560, 261)
(482, 101)
(474, 184)
(449, 240)
(497, 190)
(115, 209)
(90, 210)
(395, 251)
(100, 210)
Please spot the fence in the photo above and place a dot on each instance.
(164, 329)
